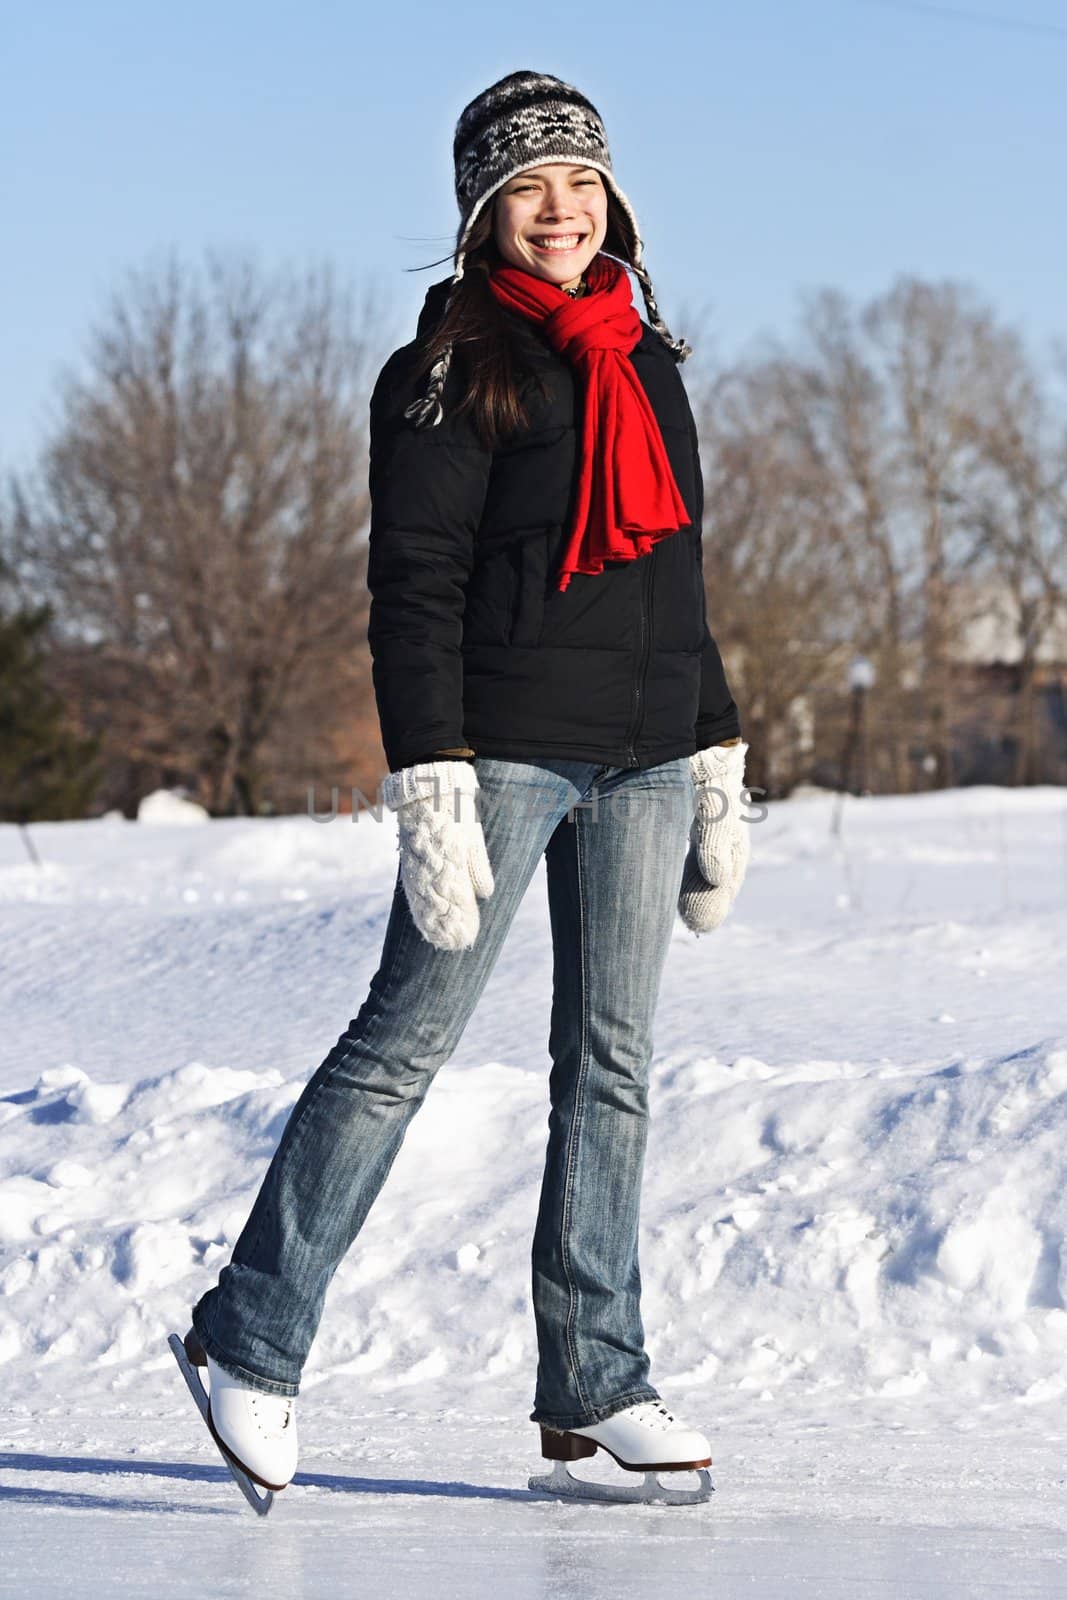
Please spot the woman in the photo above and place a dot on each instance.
(546, 685)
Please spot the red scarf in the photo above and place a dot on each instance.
(627, 494)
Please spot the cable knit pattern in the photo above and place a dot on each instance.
(444, 865)
(719, 838)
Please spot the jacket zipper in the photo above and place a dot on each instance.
(646, 626)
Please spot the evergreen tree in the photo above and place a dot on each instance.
(47, 773)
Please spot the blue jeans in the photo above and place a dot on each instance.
(614, 839)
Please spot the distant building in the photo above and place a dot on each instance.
(1009, 702)
(987, 628)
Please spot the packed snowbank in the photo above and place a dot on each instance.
(874, 1229)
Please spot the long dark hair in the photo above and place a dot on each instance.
(495, 359)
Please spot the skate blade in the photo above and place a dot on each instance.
(260, 1502)
(560, 1481)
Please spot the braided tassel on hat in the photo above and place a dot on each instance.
(678, 347)
(526, 118)
(428, 411)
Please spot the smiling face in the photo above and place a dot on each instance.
(551, 220)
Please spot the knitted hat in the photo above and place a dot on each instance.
(517, 122)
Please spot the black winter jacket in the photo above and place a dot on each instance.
(471, 642)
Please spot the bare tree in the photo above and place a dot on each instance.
(776, 599)
(1016, 504)
(855, 479)
(843, 409)
(198, 526)
(198, 520)
(935, 341)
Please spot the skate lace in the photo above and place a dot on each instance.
(273, 1414)
(656, 1413)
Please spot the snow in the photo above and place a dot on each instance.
(170, 805)
(855, 1205)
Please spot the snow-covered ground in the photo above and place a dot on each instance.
(853, 1227)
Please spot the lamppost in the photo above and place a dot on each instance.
(861, 677)
(860, 681)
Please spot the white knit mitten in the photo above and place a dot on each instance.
(719, 842)
(444, 865)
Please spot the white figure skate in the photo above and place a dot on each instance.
(643, 1438)
(255, 1432)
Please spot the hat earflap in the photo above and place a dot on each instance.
(634, 257)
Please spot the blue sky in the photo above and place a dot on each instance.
(767, 148)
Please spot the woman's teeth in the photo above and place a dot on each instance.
(568, 241)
